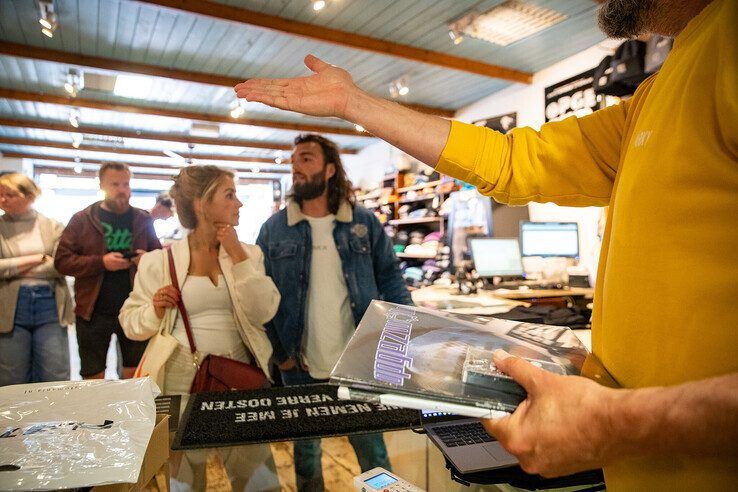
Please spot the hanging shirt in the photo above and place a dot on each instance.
(330, 323)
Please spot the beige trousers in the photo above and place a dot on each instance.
(249, 468)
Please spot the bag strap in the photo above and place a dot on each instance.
(180, 303)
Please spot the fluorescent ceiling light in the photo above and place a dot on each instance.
(507, 23)
(132, 86)
(205, 130)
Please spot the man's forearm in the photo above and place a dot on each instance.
(699, 418)
(421, 135)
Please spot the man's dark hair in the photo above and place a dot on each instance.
(116, 166)
(164, 199)
(339, 186)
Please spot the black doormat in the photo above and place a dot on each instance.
(282, 414)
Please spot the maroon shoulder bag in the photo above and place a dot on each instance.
(216, 373)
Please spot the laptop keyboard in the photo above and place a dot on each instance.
(462, 434)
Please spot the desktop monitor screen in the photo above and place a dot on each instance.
(496, 257)
(549, 239)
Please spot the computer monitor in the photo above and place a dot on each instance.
(494, 257)
(549, 239)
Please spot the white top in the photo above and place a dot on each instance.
(330, 323)
(211, 318)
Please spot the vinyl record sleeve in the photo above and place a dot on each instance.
(421, 353)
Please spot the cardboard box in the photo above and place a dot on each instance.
(154, 474)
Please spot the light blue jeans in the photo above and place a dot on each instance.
(369, 448)
(37, 350)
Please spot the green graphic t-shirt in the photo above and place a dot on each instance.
(116, 286)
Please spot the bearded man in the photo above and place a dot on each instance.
(329, 258)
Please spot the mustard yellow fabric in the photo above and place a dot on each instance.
(666, 161)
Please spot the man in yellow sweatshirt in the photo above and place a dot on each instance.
(665, 323)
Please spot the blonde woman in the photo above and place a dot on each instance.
(35, 300)
(228, 298)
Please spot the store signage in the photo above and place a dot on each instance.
(280, 414)
(502, 123)
(574, 96)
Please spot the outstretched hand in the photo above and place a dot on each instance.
(562, 426)
(325, 93)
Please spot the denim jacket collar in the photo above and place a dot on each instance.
(295, 215)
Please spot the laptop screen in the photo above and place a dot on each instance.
(495, 257)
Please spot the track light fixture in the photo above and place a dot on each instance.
(318, 5)
(76, 138)
(74, 118)
(47, 17)
(455, 35)
(75, 82)
(237, 108)
(399, 87)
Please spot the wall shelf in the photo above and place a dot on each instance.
(418, 220)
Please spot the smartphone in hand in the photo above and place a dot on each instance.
(129, 254)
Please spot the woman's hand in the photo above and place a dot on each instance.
(227, 237)
(165, 298)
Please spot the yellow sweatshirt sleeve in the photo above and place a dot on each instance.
(571, 162)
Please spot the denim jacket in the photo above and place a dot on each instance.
(368, 260)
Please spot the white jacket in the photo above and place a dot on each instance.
(255, 297)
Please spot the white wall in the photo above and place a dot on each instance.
(15, 164)
(367, 168)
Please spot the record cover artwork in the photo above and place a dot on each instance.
(444, 356)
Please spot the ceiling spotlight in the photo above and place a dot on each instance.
(455, 36)
(237, 108)
(278, 160)
(47, 17)
(78, 168)
(76, 139)
(360, 128)
(399, 87)
(318, 5)
(74, 118)
(75, 82)
(255, 169)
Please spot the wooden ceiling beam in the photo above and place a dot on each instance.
(150, 165)
(343, 38)
(64, 171)
(165, 137)
(121, 150)
(80, 102)
(80, 60)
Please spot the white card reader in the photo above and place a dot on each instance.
(380, 480)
